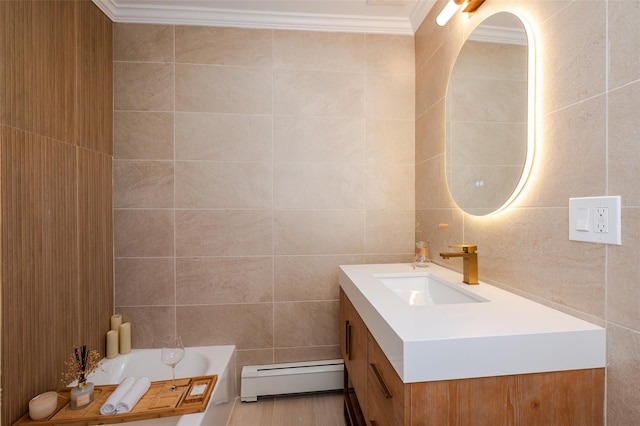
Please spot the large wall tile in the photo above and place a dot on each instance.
(577, 129)
(307, 353)
(390, 141)
(205, 184)
(431, 77)
(623, 388)
(389, 231)
(223, 46)
(143, 135)
(429, 38)
(149, 324)
(248, 326)
(318, 232)
(318, 186)
(314, 50)
(223, 232)
(223, 137)
(309, 277)
(143, 86)
(144, 281)
(523, 262)
(217, 280)
(205, 88)
(430, 136)
(318, 139)
(140, 233)
(624, 39)
(576, 70)
(305, 323)
(431, 187)
(312, 93)
(390, 186)
(623, 272)
(389, 54)
(142, 43)
(390, 96)
(142, 184)
(622, 149)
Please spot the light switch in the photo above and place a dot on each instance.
(582, 220)
(595, 220)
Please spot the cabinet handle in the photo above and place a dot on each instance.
(347, 342)
(380, 380)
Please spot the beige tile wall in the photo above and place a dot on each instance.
(589, 95)
(248, 164)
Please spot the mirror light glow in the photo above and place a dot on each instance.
(467, 160)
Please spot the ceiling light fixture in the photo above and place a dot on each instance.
(452, 7)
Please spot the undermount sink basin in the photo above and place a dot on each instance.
(425, 290)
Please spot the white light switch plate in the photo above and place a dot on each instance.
(595, 220)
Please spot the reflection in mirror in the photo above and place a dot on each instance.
(488, 117)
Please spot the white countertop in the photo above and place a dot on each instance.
(507, 335)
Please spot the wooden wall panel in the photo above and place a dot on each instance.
(39, 265)
(94, 128)
(95, 244)
(55, 191)
(39, 64)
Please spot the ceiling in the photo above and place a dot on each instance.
(360, 16)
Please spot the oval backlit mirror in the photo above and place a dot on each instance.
(489, 116)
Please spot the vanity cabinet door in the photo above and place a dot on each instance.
(353, 345)
(389, 398)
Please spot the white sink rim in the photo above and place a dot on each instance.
(510, 335)
(425, 289)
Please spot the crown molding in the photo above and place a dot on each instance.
(420, 12)
(492, 34)
(163, 14)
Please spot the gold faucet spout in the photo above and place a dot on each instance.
(469, 261)
(453, 254)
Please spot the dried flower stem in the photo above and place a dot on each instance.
(80, 364)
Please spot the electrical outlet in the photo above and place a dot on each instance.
(595, 220)
(601, 220)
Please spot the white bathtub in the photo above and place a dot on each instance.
(198, 361)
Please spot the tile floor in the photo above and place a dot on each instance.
(321, 409)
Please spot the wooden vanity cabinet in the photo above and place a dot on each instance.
(353, 346)
(568, 398)
(388, 399)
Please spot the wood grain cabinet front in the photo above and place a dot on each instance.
(568, 398)
(388, 401)
(353, 346)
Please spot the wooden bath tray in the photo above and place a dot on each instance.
(159, 401)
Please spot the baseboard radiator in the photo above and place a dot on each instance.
(290, 378)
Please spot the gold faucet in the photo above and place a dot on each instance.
(469, 261)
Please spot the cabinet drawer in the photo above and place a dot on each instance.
(353, 345)
(385, 390)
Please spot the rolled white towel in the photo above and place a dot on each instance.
(109, 407)
(140, 387)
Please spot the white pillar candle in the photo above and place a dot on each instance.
(112, 343)
(125, 338)
(116, 321)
